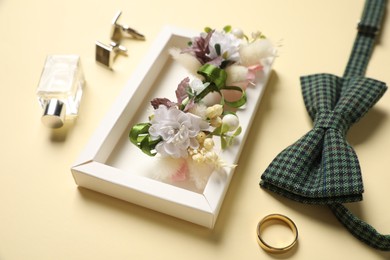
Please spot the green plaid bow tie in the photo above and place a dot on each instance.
(321, 167)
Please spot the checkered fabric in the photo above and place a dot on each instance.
(368, 27)
(360, 229)
(321, 167)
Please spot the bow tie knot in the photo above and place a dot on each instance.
(331, 120)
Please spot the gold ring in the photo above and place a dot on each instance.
(284, 219)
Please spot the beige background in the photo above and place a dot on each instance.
(43, 215)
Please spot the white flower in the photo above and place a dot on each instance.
(229, 46)
(231, 121)
(177, 129)
(197, 85)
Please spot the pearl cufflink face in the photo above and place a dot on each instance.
(105, 54)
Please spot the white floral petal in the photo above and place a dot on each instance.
(177, 129)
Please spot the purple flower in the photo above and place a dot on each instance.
(215, 48)
(200, 47)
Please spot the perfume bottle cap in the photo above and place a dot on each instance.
(54, 114)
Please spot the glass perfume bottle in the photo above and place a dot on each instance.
(60, 89)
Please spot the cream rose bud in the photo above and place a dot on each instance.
(216, 122)
(231, 121)
(201, 137)
(214, 111)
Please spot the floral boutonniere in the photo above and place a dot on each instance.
(221, 64)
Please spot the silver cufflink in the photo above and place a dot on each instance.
(119, 31)
(105, 54)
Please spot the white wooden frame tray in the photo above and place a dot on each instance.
(110, 164)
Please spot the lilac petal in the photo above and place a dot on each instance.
(156, 102)
(216, 61)
(181, 91)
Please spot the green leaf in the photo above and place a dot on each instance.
(230, 140)
(222, 102)
(190, 93)
(213, 74)
(239, 102)
(223, 143)
(207, 29)
(139, 136)
(218, 49)
(217, 131)
(225, 55)
(227, 28)
(224, 128)
(237, 132)
(210, 88)
(221, 130)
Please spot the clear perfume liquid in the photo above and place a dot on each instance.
(62, 79)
